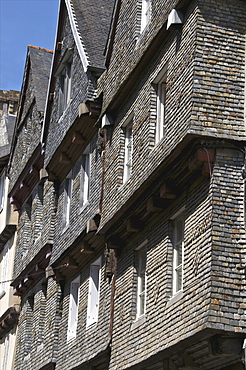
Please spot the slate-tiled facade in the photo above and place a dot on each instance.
(9, 305)
(183, 192)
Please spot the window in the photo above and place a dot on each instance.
(160, 87)
(73, 309)
(146, 12)
(85, 178)
(2, 182)
(141, 281)
(29, 332)
(6, 352)
(128, 152)
(4, 267)
(67, 200)
(178, 253)
(65, 87)
(93, 294)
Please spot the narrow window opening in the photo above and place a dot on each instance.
(178, 254)
(73, 309)
(141, 281)
(93, 293)
(128, 152)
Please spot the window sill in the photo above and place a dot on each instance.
(70, 340)
(122, 186)
(65, 228)
(83, 207)
(175, 298)
(91, 326)
(139, 321)
(2, 293)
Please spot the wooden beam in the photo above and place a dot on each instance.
(167, 192)
(155, 204)
(86, 248)
(33, 170)
(64, 159)
(133, 224)
(91, 226)
(70, 262)
(114, 242)
(23, 185)
(43, 174)
(202, 155)
(77, 138)
(59, 276)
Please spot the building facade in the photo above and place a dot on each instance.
(9, 305)
(131, 191)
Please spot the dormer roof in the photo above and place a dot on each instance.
(90, 21)
(38, 61)
(40, 65)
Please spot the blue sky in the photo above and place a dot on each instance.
(22, 23)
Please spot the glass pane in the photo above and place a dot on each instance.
(141, 304)
(179, 254)
(179, 230)
(179, 279)
(142, 283)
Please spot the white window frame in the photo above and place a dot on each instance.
(128, 150)
(178, 251)
(4, 268)
(160, 88)
(145, 14)
(85, 177)
(6, 352)
(141, 280)
(73, 309)
(94, 293)
(2, 191)
(65, 84)
(68, 185)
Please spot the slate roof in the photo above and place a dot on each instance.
(40, 65)
(92, 20)
(7, 124)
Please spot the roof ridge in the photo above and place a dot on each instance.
(39, 48)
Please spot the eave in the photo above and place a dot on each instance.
(33, 272)
(28, 179)
(75, 141)
(8, 320)
(80, 252)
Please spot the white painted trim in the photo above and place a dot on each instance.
(77, 37)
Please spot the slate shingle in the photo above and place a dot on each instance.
(40, 64)
(92, 20)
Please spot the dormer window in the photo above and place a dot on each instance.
(65, 87)
(64, 73)
(146, 13)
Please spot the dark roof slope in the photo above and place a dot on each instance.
(93, 20)
(40, 65)
(7, 124)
